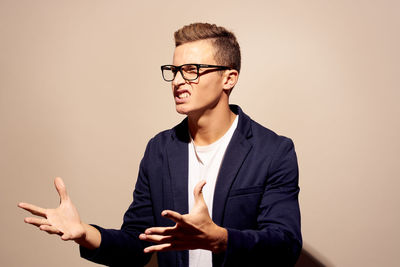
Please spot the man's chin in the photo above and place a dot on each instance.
(182, 110)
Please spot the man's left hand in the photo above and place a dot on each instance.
(194, 230)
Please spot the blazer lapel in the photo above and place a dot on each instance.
(177, 152)
(178, 162)
(235, 155)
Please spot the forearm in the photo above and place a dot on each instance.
(117, 247)
(91, 239)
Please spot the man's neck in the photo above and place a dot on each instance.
(211, 125)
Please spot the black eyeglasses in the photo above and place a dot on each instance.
(189, 72)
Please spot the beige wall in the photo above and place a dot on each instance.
(81, 93)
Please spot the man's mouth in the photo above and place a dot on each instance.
(183, 95)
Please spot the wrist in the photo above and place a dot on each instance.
(90, 238)
(220, 240)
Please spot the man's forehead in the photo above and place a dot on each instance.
(194, 52)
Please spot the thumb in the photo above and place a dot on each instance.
(61, 189)
(198, 191)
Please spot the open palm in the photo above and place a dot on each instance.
(63, 220)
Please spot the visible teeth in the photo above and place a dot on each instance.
(183, 95)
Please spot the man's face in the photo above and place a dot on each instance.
(196, 97)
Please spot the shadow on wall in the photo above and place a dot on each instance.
(308, 259)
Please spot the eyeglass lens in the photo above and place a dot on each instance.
(189, 72)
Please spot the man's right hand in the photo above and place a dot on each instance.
(63, 220)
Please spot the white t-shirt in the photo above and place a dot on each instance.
(204, 164)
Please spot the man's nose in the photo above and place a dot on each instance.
(178, 79)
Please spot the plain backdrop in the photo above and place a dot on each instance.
(81, 93)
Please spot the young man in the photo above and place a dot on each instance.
(216, 190)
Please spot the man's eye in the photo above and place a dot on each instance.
(173, 69)
(190, 69)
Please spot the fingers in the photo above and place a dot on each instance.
(54, 231)
(198, 191)
(35, 210)
(50, 229)
(160, 230)
(162, 247)
(156, 238)
(61, 189)
(172, 215)
(36, 221)
(43, 225)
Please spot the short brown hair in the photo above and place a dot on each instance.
(227, 50)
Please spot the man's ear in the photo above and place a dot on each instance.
(230, 79)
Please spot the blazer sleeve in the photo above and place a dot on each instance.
(277, 240)
(123, 247)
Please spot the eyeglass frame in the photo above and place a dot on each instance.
(198, 66)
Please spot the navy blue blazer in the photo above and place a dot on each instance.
(255, 199)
